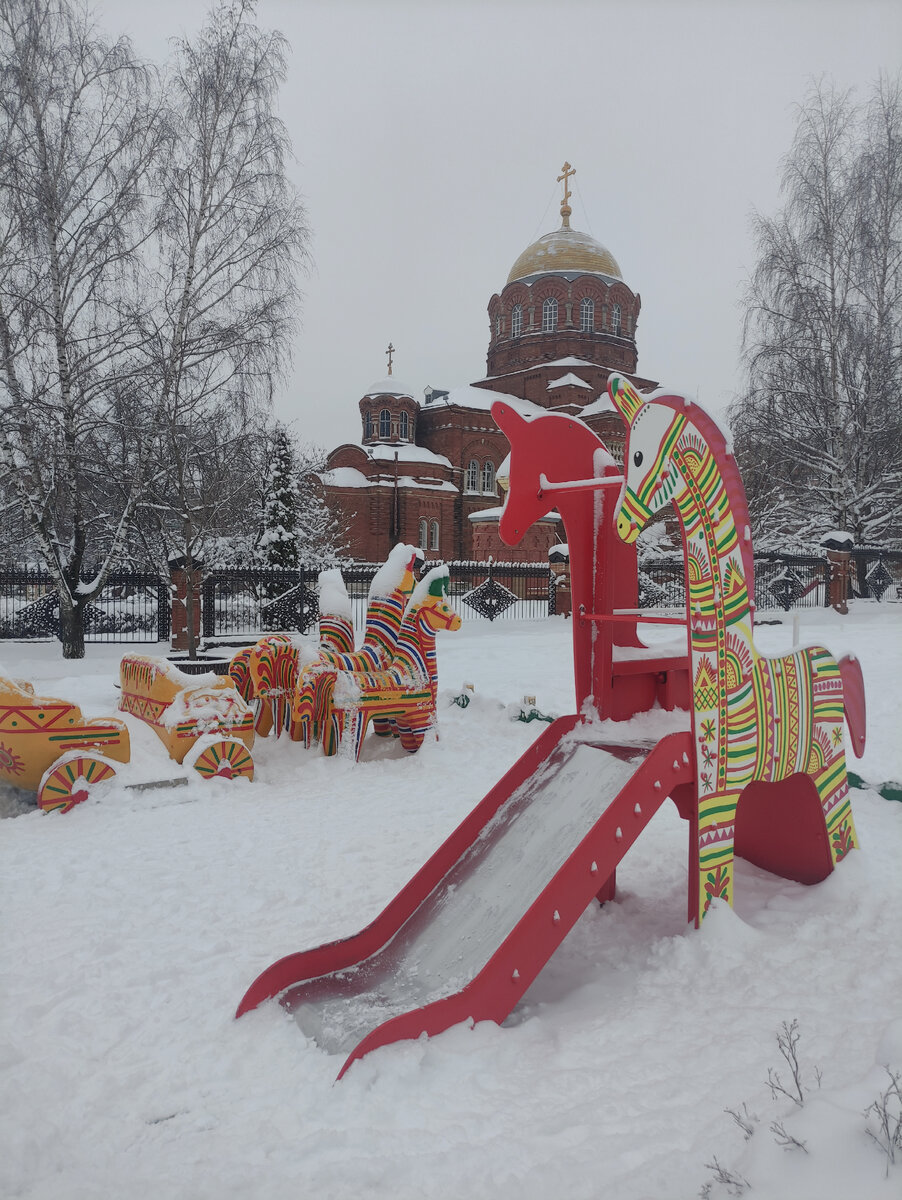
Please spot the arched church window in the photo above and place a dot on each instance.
(616, 319)
(433, 545)
(488, 477)
(424, 533)
(385, 423)
(516, 320)
(404, 426)
(368, 425)
(473, 476)
(549, 314)
(499, 326)
(586, 314)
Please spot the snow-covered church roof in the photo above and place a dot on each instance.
(389, 387)
(568, 380)
(470, 397)
(407, 452)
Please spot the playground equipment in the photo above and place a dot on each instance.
(338, 701)
(46, 746)
(755, 720)
(267, 673)
(207, 723)
(473, 928)
(265, 676)
(336, 620)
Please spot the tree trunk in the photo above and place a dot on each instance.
(72, 629)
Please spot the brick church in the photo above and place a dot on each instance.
(426, 470)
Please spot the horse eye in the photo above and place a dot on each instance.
(637, 458)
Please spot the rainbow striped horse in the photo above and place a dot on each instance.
(336, 625)
(268, 671)
(389, 592)
(756, 720)
(338, 704)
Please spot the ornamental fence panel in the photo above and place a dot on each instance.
(133, 607)
(240, 604)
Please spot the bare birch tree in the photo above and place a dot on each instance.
(232, 235)
(77, 137)
(819, 429)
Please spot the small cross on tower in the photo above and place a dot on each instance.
(390, 351)
(564, 178)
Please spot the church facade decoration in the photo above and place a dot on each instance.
(425, 471)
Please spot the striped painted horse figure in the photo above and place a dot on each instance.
(268, 671)
(768, 732)
(339, 703)
(389, 591)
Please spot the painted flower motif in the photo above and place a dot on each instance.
(707, 754)
(10, 763)
(717, 886)
(836, 735)
(707, 782)
(708, 730)
(842, 840)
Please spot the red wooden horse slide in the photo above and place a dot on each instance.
(474, 927)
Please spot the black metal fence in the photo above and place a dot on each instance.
(239, 604)
(133, 607)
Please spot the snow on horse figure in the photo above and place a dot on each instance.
(267, 673)
(340, 703)
(756, 720)
(389, 591)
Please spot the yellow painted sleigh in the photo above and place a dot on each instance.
(46, 746)
(204, 723)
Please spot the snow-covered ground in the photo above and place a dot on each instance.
(132, 926)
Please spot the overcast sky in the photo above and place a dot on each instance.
(428, 135)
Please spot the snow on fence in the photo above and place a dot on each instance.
(133, 607)
(241, 604)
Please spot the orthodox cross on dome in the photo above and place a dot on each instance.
(390, 351)
(564, 178)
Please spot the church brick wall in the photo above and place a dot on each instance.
(534, 547)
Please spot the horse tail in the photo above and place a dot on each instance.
(853, 701)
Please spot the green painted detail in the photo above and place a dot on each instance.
(889, 790)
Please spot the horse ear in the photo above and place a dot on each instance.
(506, 417)
(624, 397)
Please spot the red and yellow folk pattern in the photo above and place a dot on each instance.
(755, 718)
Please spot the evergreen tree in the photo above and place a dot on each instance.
(278, 545)
(299, 528)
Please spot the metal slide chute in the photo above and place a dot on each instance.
(470, 932)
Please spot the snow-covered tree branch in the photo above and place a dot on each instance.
(818, 432)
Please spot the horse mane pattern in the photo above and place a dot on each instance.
(755, 719)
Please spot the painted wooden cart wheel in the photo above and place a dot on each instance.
(225, 758)
(71, 780)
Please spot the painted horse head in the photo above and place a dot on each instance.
(668, 437)
(428, 607)
(546, 448)
(651, 478)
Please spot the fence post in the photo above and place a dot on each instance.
(560, 600)
(179, 607)
(164, 612)
(838, 548)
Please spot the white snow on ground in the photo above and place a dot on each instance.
(133, 925)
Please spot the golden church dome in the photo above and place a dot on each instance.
(565, 250)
